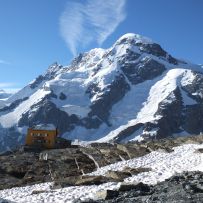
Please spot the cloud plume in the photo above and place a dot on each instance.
(92, 20)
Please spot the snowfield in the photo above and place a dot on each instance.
(164, 165)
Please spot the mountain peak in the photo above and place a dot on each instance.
(136, 38)
(53, 67)
(52, 70)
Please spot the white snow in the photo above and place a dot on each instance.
(138, 38)
(80, 111)
(44, 127)
(68, 194)
(163, 165)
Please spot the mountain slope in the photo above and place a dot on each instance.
(132, 91)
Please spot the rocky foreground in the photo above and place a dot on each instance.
(186, 187)
(80, 166)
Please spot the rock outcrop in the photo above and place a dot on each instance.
(186, 187)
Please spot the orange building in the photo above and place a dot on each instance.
(42, 136)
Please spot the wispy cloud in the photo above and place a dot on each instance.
(4, 62)
(92, 20)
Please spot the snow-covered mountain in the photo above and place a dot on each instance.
(132, 91)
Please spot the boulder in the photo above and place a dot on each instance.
(118, 175)
(200, 150)
(107, 194)
(35, 192)
(134, 186)
(82, 180)
(135, 171)
(133, 151)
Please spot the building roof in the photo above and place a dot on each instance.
(44, 127)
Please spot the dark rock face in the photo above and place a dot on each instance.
(50, 74)
(130, 56)
(77, 60)
(171, 113)
(193, 114)
(62, 96)
(142, 189)
(195, 89)
(146, 69)
(13, 169)
(13, 105)
(37, 81)
(156, 50)
(112, 94)
(49, 113)
(194, 119)
(92, 89)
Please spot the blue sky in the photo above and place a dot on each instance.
(36, 33)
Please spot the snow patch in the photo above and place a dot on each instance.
(138, 38)
(80, 111)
